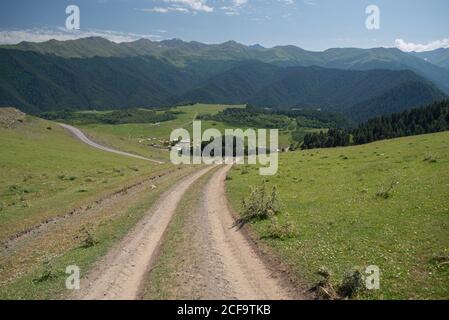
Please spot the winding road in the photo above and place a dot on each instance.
(77, 133)
(231, 266)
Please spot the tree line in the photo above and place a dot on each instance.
(110, 117)
(257, 117)
(428, 119)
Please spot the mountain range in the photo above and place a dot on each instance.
(439, 57)
(94, 73)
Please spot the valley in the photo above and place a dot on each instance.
(97, 74)
(64, 202)
(355, 209)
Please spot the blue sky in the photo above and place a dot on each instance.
(310, 24)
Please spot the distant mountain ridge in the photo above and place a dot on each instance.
(358, 94)
(439, 57)
(94, 73)
(182, 53)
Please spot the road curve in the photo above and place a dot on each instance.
(81, 136)
(119, 275)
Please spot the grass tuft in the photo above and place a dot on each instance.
(281, 231)
(48, 272)
(386, 192)
(87, 238)
(260, 204)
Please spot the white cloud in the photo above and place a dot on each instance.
(195, 5)
(182, 6)
(310, 2)
(165, 10)
(417, 47)
(234, 7)
(239, 3)
(14, 36)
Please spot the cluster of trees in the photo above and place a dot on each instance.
(329, 139)
(429, 119)
(433, 118)
(281, 119)
(316, 118)
(110, 117)
(250, 117)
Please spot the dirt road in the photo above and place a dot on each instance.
(233, 268)
(81, 136)
(216, 260)
(227, 265)
(120, 273)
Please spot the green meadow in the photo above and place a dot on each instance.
(383, 204)
(46, 172)
(139, 137)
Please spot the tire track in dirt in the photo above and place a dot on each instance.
(120, 273)
(206, 257)
(230, 265)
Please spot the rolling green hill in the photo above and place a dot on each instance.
(378, 204)
(46, 170)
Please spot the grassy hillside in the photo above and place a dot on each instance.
(45, 171)
(138, 137)
(381, 204)
(64, 203)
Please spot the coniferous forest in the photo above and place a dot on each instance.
(428, 119)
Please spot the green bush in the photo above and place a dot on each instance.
(351, 285)
(260, 205)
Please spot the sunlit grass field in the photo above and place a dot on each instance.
(128, 137)
(384, 204)
(45, 171)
